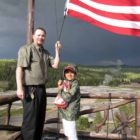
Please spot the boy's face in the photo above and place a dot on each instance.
(69, 75)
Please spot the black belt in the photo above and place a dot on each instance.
(37, 86)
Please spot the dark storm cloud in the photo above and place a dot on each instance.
(13, 16)
(82, 43)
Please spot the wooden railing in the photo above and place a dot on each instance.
(126, 96)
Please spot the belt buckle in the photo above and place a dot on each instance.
(32, 94)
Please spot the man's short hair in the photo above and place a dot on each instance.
(40, 28)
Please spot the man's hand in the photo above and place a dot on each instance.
(58, 45)
(57, 55)
(20, 94)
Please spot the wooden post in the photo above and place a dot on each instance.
(138, 119)
(8, 113)
(30, 24)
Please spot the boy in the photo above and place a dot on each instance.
(69, 90)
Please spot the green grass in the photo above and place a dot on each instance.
(3, 85)
(82, 123)
(14, 112)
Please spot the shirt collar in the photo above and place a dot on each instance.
(38, 47)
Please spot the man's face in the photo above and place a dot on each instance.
(39, 37)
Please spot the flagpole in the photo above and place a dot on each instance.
(30, 20)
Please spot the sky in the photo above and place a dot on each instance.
(82, 43)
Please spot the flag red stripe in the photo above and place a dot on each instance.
(114, 2)
(119, 30)
(120, 2)
(106, 14)
(109, 14)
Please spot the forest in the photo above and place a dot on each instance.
(87, 75)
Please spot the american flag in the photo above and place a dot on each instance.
(118, 16)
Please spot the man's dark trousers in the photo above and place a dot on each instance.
(34, 109)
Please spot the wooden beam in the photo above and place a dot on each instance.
(138, 118)
(6, 99)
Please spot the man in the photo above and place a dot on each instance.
(31, 77)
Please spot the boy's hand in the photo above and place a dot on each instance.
(60, 84)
